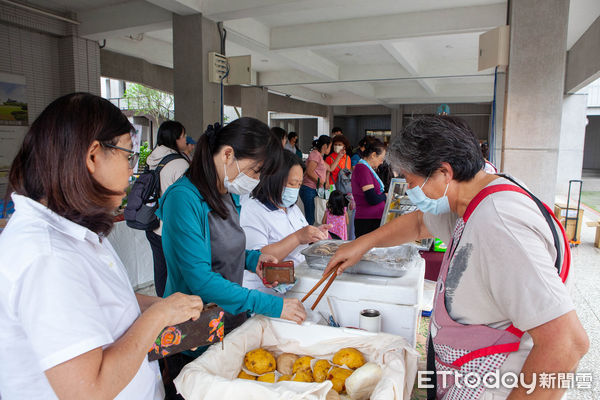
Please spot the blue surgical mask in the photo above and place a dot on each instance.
(427, 205)
(289, 196)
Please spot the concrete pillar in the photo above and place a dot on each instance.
(535, 93)
(79, 61)
(572, 140)
(197, 101)
(329, 124)
(307, 133)
(495, 139)
(255, 101)
(397, 120)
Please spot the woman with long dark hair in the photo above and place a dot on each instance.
(203, 241)
(317, 173)
(171, 143)
(74, 328)
(273, 223)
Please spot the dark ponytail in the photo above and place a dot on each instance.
(249, 138)
(320, 142)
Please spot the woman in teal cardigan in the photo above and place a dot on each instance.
(203, 243)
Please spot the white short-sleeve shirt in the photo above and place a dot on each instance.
(63, 292)
(503, 269)
(264, 225)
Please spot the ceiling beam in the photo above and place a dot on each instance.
(181, 7)
(583, 60)
(389, 27)
(311, 63)
(453, 90)
(123, 19)
(402, 53)
(152, 50)
(300, 93)
(225, 10)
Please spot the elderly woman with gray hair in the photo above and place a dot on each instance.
(501, 305)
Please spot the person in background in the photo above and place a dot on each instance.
(281, 134)
(190, 145)
(171, 139)
(358, 153)
(368, 189)
(316, 173)
(502, 307)
(203, 242)
(340, 148)
(290, 145)
(336, 215)
(272, 221)
(489, 167)
(72, 326)
(293, 144)
(335, 131)
(385, 173)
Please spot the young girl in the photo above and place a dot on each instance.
(336, 215)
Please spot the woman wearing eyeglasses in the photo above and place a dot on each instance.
(171, 145)
(72, 327)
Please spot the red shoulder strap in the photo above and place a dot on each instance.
(488, 190)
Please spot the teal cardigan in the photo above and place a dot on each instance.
(186, 245)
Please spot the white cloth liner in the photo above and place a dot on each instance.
(214, 374)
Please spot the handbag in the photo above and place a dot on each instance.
(320, 202)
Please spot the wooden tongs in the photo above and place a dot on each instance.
(333, 274)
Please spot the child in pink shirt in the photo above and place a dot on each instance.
(336, 215)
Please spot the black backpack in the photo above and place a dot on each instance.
(142, 201)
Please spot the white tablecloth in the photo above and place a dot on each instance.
(134, 251)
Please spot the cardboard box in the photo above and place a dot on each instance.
(561, 212)
(597, 226)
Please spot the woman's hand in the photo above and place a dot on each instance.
(178, 308)
(265, 258)
(293, 310)
(346, 256)
(311, 234)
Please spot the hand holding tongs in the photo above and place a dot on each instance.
(333, 274)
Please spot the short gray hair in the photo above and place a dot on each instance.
(425, 142)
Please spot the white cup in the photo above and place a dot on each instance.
(370, 320)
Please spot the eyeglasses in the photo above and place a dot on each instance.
(132, 158)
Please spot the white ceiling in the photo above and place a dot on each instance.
(335, 52)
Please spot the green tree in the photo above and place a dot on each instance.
(149, 101)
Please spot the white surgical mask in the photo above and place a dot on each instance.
(242, 183)
(337, 149)
(427, 205)
(289, 196)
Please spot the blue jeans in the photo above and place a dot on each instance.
(308, 198)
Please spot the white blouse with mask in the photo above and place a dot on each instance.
(266, 224)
